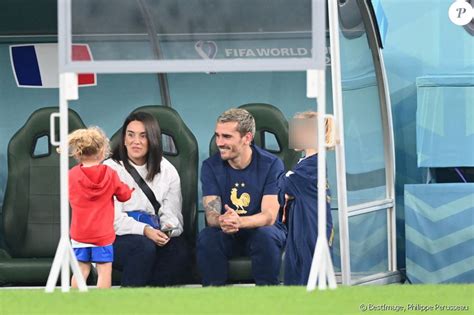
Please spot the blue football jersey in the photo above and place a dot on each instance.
(243, 189)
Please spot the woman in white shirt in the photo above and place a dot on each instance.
(145, 255)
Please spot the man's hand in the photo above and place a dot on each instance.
(229, 221)
(158, 237)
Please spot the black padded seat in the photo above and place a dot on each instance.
(31, 211)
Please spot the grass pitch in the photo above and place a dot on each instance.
(407, 299)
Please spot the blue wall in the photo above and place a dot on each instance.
(421, 40)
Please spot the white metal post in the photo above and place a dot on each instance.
(322, 269)
(389, 145)
(68, 90)
(340, 145)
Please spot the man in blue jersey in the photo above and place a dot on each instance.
(240, 197)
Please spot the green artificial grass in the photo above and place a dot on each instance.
(244, 300)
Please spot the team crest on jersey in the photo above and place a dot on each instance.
(240, 202)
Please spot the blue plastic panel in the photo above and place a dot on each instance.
(445, 121)
(368, 243)
(363, 129)
(439, 225)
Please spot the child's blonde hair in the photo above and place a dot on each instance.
(88, 142)
(314, 115)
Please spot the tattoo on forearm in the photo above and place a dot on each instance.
(213, 205)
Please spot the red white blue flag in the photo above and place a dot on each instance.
(36, 65)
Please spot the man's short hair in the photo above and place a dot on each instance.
(245, 121)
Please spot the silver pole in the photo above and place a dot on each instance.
(64, 257)
(322, 269)
(64, 187)
(389, 172)
(156, 47)
(340, 147)
(68, 90)
(322, 180)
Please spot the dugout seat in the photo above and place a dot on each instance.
(31, 205)
(269, 120)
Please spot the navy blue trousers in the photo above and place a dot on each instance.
(143, 263)
(264, 245)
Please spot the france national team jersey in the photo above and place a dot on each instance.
(302, 218)
(242, 190)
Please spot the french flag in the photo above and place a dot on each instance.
(36, 65)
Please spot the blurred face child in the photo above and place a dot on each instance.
(304, 132)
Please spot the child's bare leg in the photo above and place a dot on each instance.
(85, 268)
(104, 271)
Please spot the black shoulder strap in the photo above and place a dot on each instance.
(143, 186)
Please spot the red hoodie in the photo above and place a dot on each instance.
(91, 192)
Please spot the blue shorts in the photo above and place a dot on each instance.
(100, 254)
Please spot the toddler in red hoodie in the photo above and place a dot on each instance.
(92, 187)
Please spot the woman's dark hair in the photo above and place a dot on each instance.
(155, 147)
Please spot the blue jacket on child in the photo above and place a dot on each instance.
(302, 218)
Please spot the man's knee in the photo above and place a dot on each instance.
(208, 238)
(213, 245)
(266, 247)
(212, 256)
(267, 237)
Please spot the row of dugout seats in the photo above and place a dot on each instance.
(31, 204)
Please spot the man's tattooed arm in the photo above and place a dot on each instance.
(213, 207)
